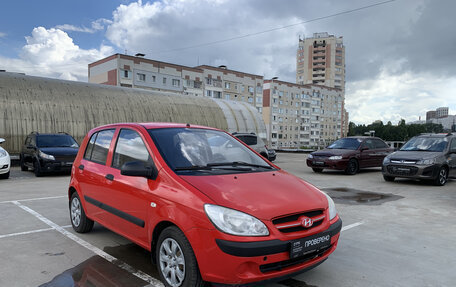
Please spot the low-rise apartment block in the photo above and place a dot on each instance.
(295, 115)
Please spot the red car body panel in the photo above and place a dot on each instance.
(180, 200)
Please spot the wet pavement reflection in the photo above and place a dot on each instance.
(354, 196)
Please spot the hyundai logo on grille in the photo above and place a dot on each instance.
(306, 222)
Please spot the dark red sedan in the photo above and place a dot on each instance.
(350, 154)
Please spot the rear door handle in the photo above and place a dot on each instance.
(81, 167)
(109, 176)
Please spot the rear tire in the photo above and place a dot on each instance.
(388, 178)
(317, 170)
(79, 220)
(176, 262)
(352, 167)
(442, 177)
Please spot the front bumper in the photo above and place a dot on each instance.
(5, 164)
(411, 171)
(55, 166)
(340, 164)
(238, 263)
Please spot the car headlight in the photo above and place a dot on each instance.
(331, 206)
(386, 160)
(3, 153)
(335, 157)
(426, 161)
(235, 222)
(46, 156)
(310, 156)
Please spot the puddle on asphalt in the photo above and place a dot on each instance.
(354, 196)
(294, 283)
(98, 272)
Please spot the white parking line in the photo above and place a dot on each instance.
(352, 225)
(32, 199)
(30, 232)
(94, 249)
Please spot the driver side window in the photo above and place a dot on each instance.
(130, 147)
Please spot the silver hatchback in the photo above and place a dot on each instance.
(427, 156)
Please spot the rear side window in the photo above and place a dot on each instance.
(380, 144)
(98, 146)
(453, 144)
(130, 147)
(249, 140)
(369, 144)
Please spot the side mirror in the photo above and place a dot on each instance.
(138, 168)
(2, 140)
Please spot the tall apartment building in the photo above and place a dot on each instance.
(441, 112)
(302, 115)
(320, 60)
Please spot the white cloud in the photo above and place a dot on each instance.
(97, 25)
(2, 34)
(394, 97)
(52, 53)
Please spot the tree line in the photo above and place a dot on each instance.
(390, 132)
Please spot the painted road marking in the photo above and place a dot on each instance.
(352, 225)
(32, 199)
(30, 232)
(94, 249)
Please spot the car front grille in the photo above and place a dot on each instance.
(402, 170)
(65, 158)
(294, 222)
(278, 266)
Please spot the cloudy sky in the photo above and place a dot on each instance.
(400, 55)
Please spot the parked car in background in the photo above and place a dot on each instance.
(175, 190)
(427, 156)
(48, 153)
(5, 162)
(350, 154)
(254, 142)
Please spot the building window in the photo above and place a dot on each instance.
(227, 96)
(176, 83)
(259, 100)
(217, 95)
(141, 77)
(259, 89)
(250, 89)
(227, 85)
(250, 100)
(164, 81)
(153, 79)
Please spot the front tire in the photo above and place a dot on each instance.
(442, 177)
(37, 169)
(23, 166)
(176, 262)
(352, 167)
(79, 220)
(388, 178)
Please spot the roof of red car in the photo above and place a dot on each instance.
(158, 125)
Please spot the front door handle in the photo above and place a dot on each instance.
(109, 177)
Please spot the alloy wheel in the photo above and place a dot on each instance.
(76, 211)
(172, 262)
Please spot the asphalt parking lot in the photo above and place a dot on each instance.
(398, 233)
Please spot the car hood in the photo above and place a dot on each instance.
(264, 195)
(414, 155)
(331, 152)
(60, 150)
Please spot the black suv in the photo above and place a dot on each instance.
(427, 156)
(48, 153)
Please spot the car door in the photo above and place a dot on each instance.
(130, 197)
(28, 150)
(381, 150)
(452, 158)
(92, 171)
(366, 156)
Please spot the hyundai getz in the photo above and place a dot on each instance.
(207, 207)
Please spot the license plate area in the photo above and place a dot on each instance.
(300, 247)
(319, 162)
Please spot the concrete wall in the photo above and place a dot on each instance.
(48, 105)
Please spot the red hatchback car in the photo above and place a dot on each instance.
(207, 206)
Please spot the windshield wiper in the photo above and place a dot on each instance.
(209, 167)
(239, 163)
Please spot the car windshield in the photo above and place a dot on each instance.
(196, 151)
(433, 144)
(55, 141)
(346, 143)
